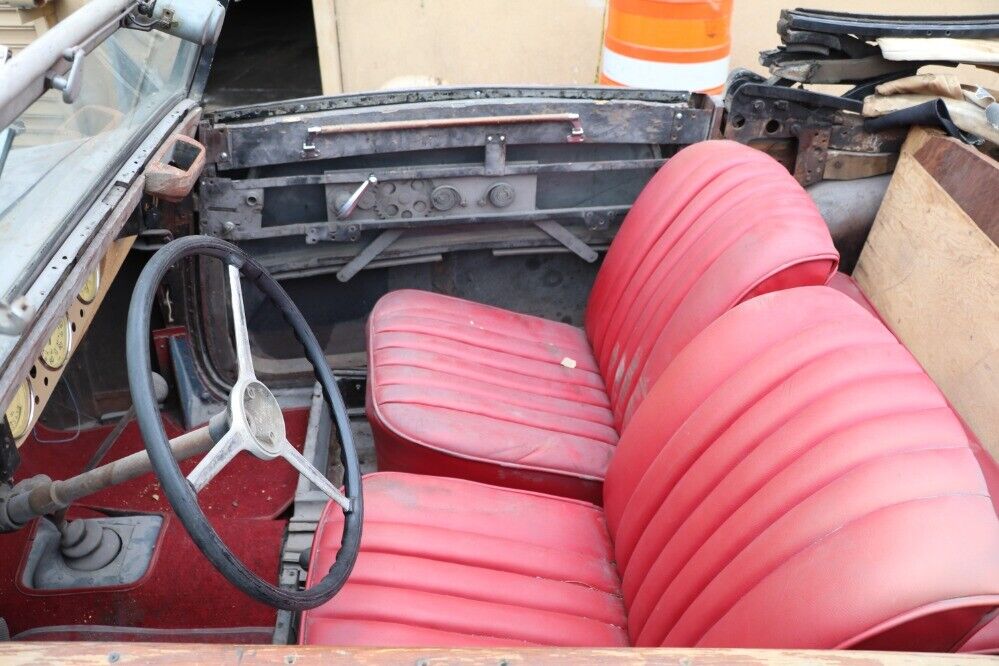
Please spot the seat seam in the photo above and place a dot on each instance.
(541, 402)
(512, 607)
(511, 340)
(609, 444)
(599, 387)
(521, 604)
(562, 548)
(489, 381)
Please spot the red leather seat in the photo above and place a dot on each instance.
(461, 389)
(793, 479)
(449, 562)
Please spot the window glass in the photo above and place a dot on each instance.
(62, 154)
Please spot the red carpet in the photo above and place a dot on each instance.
(181, 590)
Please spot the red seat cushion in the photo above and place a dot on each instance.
(448, 562)
(461, 389)
(793, 479)
(480, 388)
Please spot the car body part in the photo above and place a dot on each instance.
(175, 168)
(803, 129)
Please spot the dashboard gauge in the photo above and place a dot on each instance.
(21, 410)
(56, 350)
(88, 292)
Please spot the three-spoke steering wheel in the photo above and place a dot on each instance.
(252, 423)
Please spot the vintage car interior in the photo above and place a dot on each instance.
(498, 367)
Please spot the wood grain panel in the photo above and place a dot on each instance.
(933, 274)
(120, 654)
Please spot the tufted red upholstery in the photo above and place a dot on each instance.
(793, 479)
(718, 224)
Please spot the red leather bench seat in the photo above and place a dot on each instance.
(793, 479)
(461, 389)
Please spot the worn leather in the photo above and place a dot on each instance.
(448, 562)
(718, 224)
(793, 479)
(453, 383)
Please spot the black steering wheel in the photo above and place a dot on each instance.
(253, 422)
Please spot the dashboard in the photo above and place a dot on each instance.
(35, 388)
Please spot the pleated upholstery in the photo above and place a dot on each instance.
(480, 388)
(719, 223)
(467, 390)
(794, 479)
(448, 562)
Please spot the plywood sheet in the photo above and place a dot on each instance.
(932, 270)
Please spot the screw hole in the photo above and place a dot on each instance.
(738, 121)
(772, 126)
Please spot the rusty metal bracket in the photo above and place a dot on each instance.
(568, 239)
(576, 134)
(813, 147)
(369, 253)
(495, 155)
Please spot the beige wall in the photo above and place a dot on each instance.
(366, 43)
(458, 41)
(754, 24)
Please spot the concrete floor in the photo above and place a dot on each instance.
(267, 52)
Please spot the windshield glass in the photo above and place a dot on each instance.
(62, 153)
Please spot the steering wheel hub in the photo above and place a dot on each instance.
(263, 417)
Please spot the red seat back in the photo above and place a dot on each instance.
(719, 223)
(795, 479)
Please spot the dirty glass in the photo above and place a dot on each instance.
(63, 154)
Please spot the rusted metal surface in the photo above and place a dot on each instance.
(800, 129)
(175, 168)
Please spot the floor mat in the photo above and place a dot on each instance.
(182, 589)
(247, 488)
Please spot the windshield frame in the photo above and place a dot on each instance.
(189, 68)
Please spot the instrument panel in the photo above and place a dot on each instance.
(24, 409)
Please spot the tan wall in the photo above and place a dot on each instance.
(458, 41)
(366, 43)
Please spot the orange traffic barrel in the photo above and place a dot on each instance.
(667, 44)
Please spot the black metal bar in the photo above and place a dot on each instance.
(877, 25)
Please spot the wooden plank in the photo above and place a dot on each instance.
(120, 654)
(960, 171)
(933, 274)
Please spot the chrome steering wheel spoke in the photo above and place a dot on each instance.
(244, 357)
(318, 479)
(217, 458)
